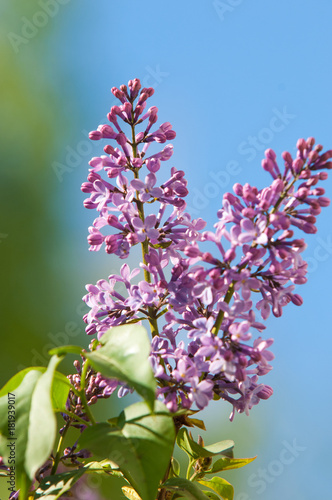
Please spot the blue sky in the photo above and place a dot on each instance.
(234, 78)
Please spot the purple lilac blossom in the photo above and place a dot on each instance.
(218, 301)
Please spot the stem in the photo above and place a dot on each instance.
(82, 392)
(59, 449)
(162, 492)
(75, 417)
(145, 244)
(191, 462)
(193, 477)
(221, 313)
(284, 194)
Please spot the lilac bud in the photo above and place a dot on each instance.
(207, 257)
(214, 274)
(108, 149)
(297, 165)
(112, 116)
(119, 94)
(92, 177)
(318, 191)
(153, 165)
(134, 86)
(181, 191)
(310, 142)
(93, 400)
(87, 187)
(77, 366)
(139, 137)
(265, 392)
(95, 239)
(268, 165)
(89, 204)
(287, 157)
(269, 153)
(199, 275)
(137, 162)
(230, 255)
(309, 228)
(143, 97)
(296, 299)
(192, 251)
(302, 193)
(326, 156)
(95, 135)
(312, 157)
(121, 139)
(249, 212)
(305, 174)
(149, 91)
(132, 239)
(238, 190)
(323, 201)
(107, 132)
(283, 253)
(112, 220)
(301, 144)
(127, 108)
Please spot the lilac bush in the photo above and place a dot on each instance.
(204, 294)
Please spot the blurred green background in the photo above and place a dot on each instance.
(220, 69)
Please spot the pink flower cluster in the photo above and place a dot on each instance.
(208, 305)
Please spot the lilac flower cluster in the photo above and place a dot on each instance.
(209, 305)
(96, 387)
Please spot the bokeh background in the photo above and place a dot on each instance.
(234, 77)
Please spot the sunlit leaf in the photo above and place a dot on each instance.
(52, 487)
(141, 445)
(229, 463)
(185, 488)
(124, 355)
(194, 450)
(220, 486)
(35, 422)
(130, 493)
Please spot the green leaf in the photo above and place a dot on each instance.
(103, 467)
(184, 488)
(220, 486)
(60, 387)
(66, 349)
(35, 421)
(175, 467)
(229, 463)
(195, 422)
(52, 487)
(60, 391)
(124, 356)
(211, 495)
(195, 451)
(141, 445)
(130, 493)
